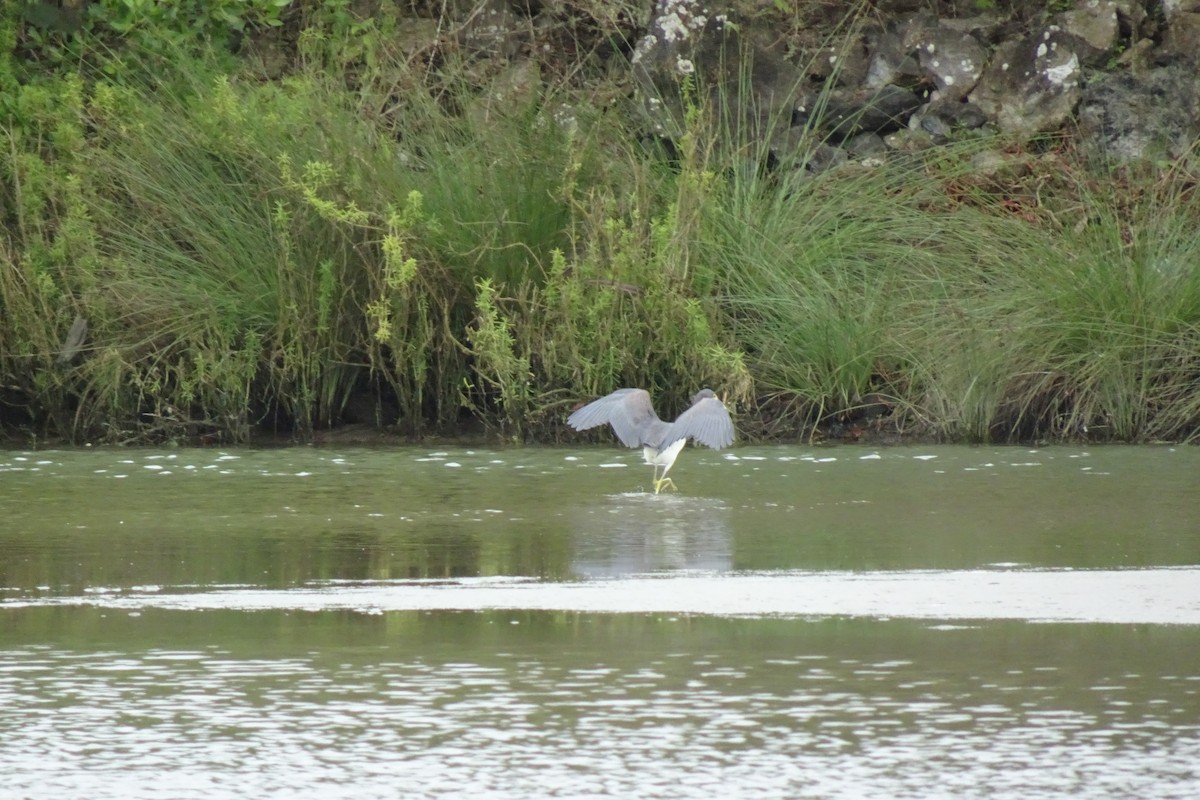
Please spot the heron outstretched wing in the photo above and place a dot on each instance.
(707, 421)
(629, 411)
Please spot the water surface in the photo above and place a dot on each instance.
(794, 622)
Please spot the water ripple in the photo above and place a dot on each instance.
(216, 727)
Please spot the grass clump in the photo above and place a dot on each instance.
(968, 319)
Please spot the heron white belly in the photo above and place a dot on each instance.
(663, 458)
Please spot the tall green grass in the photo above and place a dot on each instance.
(977, 323)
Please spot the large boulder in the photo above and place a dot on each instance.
(1152, 117)
(690, 48)
(953, 61)
(1181, 34)
(1095, 27)
(1033, 83)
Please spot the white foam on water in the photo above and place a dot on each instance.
(1136, 596)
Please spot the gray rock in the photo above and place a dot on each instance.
(941, 118)
(967, 116)
(893, 52)
(1032, 84)
(515, 85)
(985, 28)
(1133, 17)
(997, 164)
(954, 61)
(931, 124)
(918, 80)
(847, 65)
(909, 141)
(492, 29)
(798, 149)
(864, 145)
(1094, 25)
(1133, 119)
(825, 157)
(694, 47)
(683, 40)
(1181, 38)
(845, 112)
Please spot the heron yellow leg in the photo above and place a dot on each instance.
(664, 481)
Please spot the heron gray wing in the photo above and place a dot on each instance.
(707, 421)
(628, 411)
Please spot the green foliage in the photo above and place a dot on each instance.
(49, 231)
(185, 17)
(161, 229)
(498, 363)
(249, 252)
(60, 32)
(627, 311)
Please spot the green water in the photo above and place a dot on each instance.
(271, 623)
